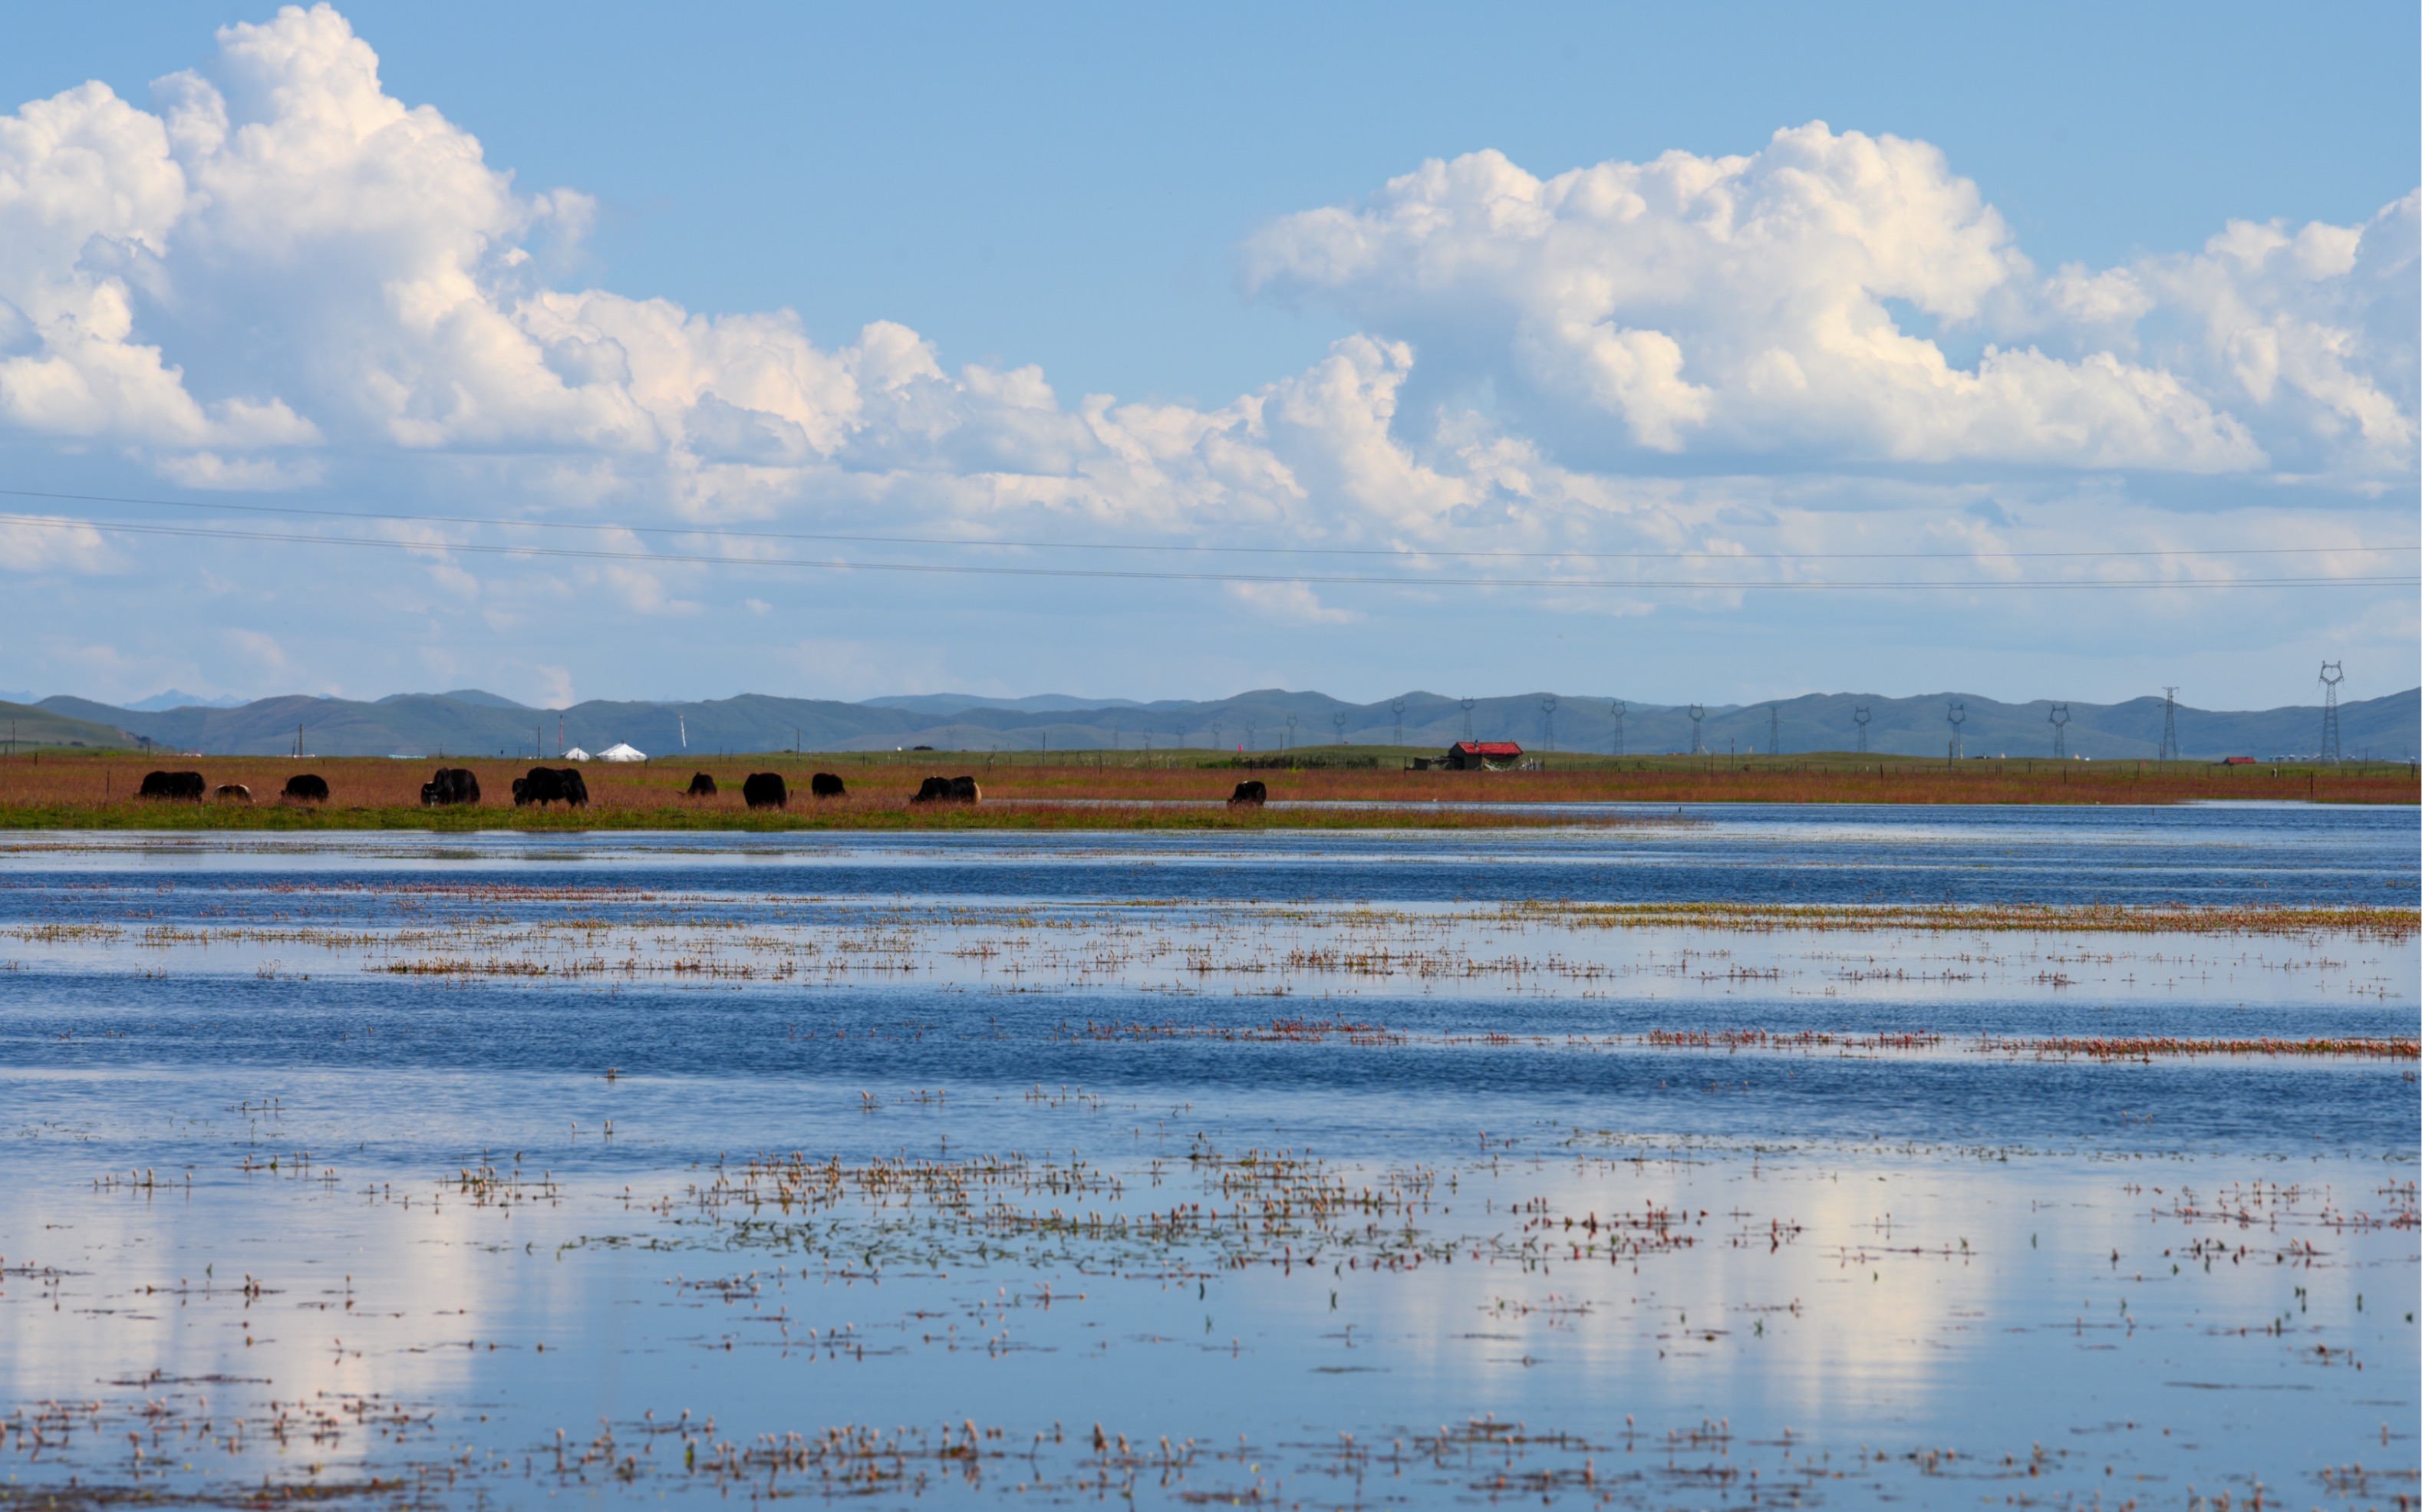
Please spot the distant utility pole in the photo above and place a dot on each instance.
(1289, 744)
(1548, 717)
(1957, 715)
(1616, 708)
(1338, 721)
(1698, 723)
(1774, 730)
(1860, 716)
(2169, 725)
(2333, 673)
(1396, 708)
(1468, 706)
(2060, 731)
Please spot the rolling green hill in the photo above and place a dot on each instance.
(477, 724)
(28, 727)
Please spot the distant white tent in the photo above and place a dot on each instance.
(576, 754)
(621, 753)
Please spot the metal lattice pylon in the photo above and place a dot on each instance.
(1774, 730)
(1957, 715)
(2169, 725)
(2059, 732)
(1467, 705)
(1860, 716)
(1698, 721)
(1616, 708)
(1396, 708)
(1548, 717)
(2333, 673)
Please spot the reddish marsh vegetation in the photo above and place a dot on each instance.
(1110, 791)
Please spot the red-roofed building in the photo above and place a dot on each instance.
(1466, 754)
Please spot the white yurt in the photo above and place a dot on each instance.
(619, 752)
(575, 754)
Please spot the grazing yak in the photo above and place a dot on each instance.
(551, 784)
(1249, 796)
(232, 793)
(765, 789)
(949, 790)
(827, 785)
(452, 784)
(306, 787)
(700, 786)
(183, 787)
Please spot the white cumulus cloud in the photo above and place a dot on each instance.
(1795, 303)
(282, 267)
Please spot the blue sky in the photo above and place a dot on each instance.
(1416, 283)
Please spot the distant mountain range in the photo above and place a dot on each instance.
(469, 722)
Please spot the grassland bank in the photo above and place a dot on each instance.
(1128, 790)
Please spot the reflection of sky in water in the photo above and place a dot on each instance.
(1909, 1252)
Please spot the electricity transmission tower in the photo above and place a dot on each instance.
(1858, 716)
(2169, 725)
(1774, 730)
(1396, 708)
(1548, 717)
(1339, 721)
(1698, 719)
(1618, 710)
(1469, 704)
(1290, 734)
(2060, 731)
(1957, 715)
(2333, 673)
(1249, 727)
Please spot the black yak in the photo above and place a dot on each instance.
(1249, 796)
(827, 785)
(306, 787)
(551, 784)
(765, 789)
(452, 784)
(183, 787)
(948, 790)
(700, 786)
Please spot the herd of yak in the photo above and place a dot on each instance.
(544, 785)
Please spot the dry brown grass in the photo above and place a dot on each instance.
(96, 790)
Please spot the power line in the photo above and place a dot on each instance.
(1414, 553)
(671, 559)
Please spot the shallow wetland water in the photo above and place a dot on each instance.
(1743, 1156)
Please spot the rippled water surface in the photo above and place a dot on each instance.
(1283, 1168)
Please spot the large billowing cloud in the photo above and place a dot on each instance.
(283, 263)
(1796, 303)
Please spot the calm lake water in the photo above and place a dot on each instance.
(1282, 1170)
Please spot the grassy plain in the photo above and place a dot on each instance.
(1127, 790)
